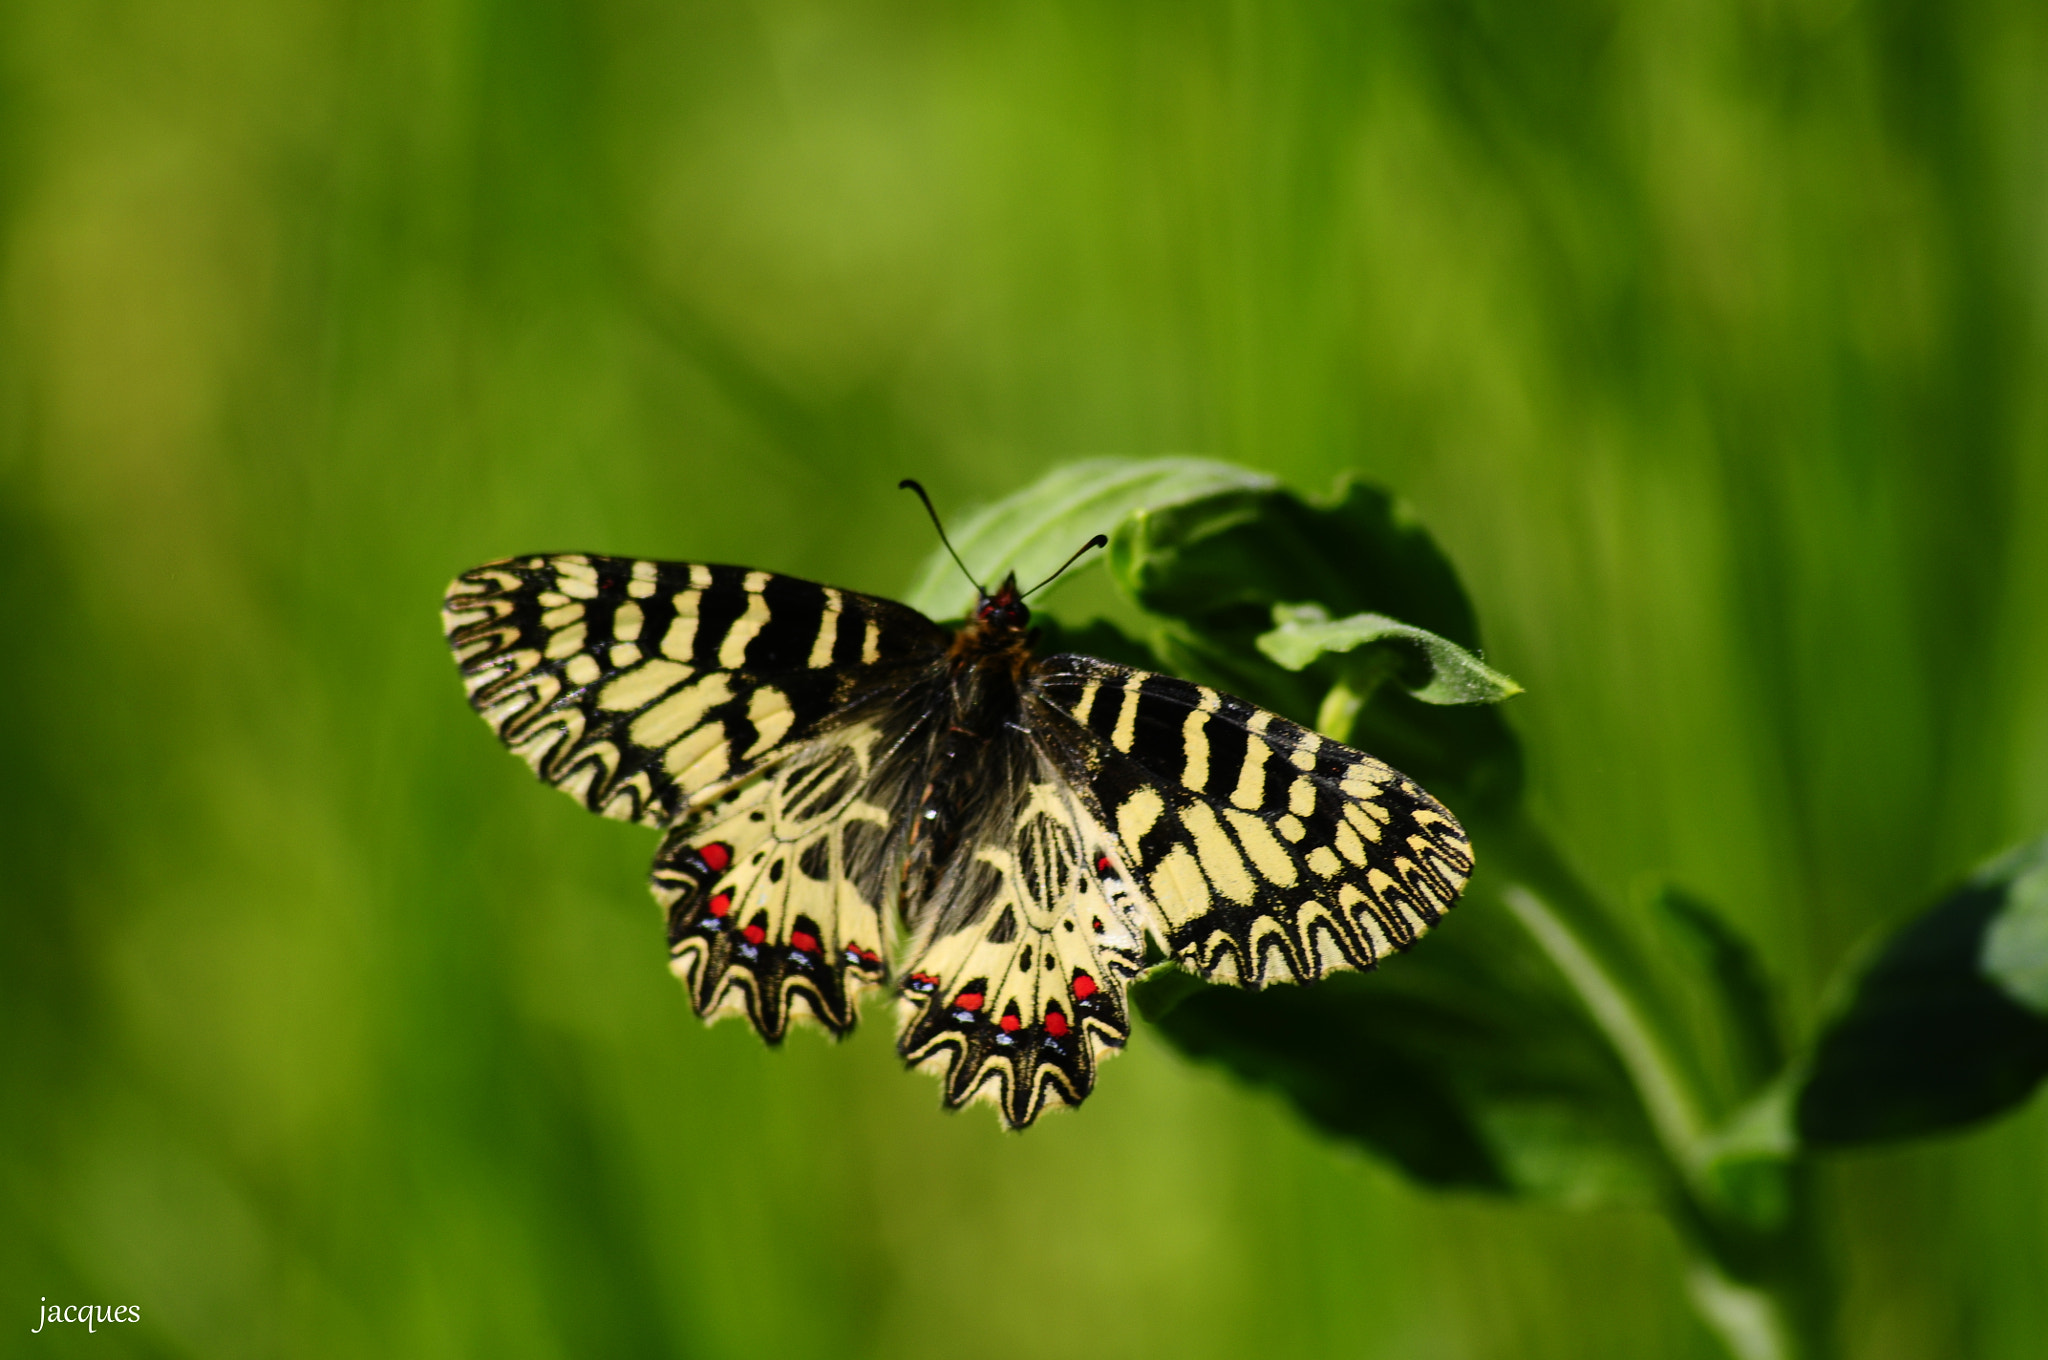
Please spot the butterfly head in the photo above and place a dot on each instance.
(1004, 611)
(1001, 619)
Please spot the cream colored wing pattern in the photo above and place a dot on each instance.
(1264, 852)
(640, 687)
(778, 894)
(1017, 988)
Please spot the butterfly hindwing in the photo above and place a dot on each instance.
(1016, 988)
(639, 686)
(1267, 852)
(779, 894)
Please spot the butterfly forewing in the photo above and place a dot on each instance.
(724, 704)
(639, 687)
(1267, 852)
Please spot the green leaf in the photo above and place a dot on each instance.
(1305, 633)
(1227, 558)
(1036, 529)
(1744, 1010)
(1213, 569)
(1462, 1063)
(1744, 1165)
(1942, 1028)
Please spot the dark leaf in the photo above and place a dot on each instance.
(1462, 1063)
(1935, 1037)
(1223, 561)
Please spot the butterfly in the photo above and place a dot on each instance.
(854, 797)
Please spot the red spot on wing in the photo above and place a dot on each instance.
(803, 940)
(1055, 1024)
(921, 982)
(720, 904)
(968, 1001)
(1102, 864)
(754, 934)
(1084, 987)
(716, 856)
(1010, 1024)
(1097, 923)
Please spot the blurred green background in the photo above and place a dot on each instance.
(1707, 337)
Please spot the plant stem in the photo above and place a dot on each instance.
(1347, 698)
(1756, 1286)
(1667, 1097)
(1750, 1322)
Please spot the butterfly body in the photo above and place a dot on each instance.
(853, 796)
(977, 704)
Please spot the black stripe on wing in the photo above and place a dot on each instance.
(1267, 852)
(637, 685)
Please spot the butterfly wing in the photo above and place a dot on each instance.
(641, 688)
(777, 894)
(740, 710)
(1016, 986)
(1266, 852)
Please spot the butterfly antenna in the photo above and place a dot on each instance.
(910, 484)
(1099, 541)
